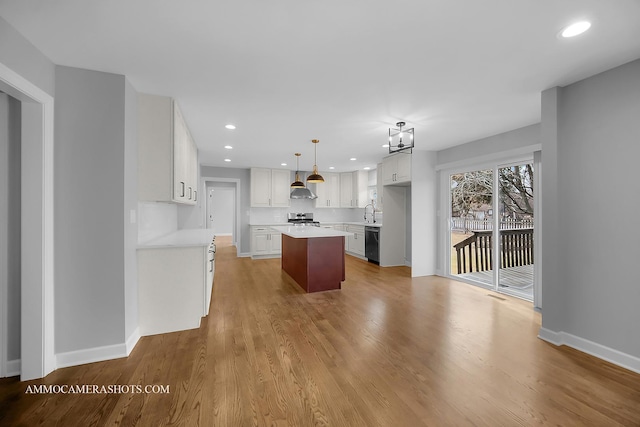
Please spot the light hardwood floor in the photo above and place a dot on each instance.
(386, 350)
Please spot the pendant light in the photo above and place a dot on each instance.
(298, 189)
(297, 183)
(315, 177)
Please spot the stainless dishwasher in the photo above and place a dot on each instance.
(372, 244)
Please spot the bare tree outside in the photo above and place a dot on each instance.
(472, 208)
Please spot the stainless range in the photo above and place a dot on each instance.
(302, 219)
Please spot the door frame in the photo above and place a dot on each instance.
(529, 154)
(37, 353)
(205, 181)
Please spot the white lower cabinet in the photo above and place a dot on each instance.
(174, 288)
(265, 242)
(356, 242)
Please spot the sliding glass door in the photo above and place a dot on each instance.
(515, 208)
(471, 225)
(491, 228)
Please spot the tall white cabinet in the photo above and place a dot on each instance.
(167, 154)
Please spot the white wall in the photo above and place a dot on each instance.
(423, 207)
(90, 209)
(591, 299)
(10, 222)
(490, 148)
(21, 56)
(156, 220)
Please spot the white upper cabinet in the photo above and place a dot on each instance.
(360, 189)
(353, 189)
(280, 187)
(167, 155)
(270, 187)
(328, 192)
(396, 169)
(346, 190)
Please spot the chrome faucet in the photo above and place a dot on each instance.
(373, 212)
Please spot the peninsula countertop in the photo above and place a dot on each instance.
(306, 232)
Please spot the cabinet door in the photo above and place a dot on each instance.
(333, 185)
(403, 172)
(280, 187)
(260, 187)
(360, 189)
(389, 167)
(356, 242)
(276, 243)
(328, 192)
(192, 168)
(322, 191)
(180, 157)
(346, 190)
(260, 244)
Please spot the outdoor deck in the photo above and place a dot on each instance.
(514, 280)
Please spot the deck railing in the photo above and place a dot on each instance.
(466, 224)
(475, 252)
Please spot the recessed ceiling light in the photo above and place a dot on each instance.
(576, 29)
(353, 158)
(283, 164)
(230, 126)
(385, 146)
(228, 147)
(331, 167)
(367, 168)
(227, 160)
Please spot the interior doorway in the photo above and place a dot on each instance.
(222, 210)
(37, 354)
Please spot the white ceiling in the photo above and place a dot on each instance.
(288, 71)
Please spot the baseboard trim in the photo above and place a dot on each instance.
(132, 341)
(244, 254)
(14, 367)
(91, 355)
(600, 351)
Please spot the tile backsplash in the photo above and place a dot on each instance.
(156, 220)
(279, 215)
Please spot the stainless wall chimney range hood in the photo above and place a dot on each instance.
(302, 193)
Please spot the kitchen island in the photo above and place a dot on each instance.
(313, 256)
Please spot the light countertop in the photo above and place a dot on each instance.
(285, 224)
(309, 232)
(181, 238)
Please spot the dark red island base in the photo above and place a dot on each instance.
(315, 263)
